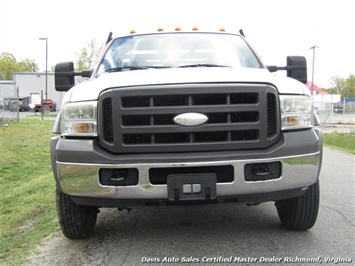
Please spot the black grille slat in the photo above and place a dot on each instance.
(271, 115)
(243, 135)
(214, 118)
(136, 120)
(141, 119)
(135, 101)
(193, 108)
(107, 120)
(168, 119)
(243, 98)
(167, 100)
(183, 100)
(171, 138)
(137, 138)
(214, 99)
(243, 117)
(181, 129)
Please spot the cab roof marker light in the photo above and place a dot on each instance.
(194, 28)
(177, 28)
(132, 32)
(160, 29)
(222, 29)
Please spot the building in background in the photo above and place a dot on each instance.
(29, 85)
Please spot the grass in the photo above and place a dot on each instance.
(39, 115)
(27, 188)
(5, 121)
(340, 141)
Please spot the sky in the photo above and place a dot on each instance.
(275, 28)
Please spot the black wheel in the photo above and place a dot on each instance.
(300, 213)
(76, 221)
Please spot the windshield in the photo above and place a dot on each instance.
(178, 50)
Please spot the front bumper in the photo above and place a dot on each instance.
(76, 165)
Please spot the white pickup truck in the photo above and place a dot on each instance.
(184, 118)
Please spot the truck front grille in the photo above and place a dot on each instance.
(141, 119)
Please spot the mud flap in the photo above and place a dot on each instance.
(192, 187)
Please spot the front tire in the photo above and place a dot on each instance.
(76, 221)
(300, 213)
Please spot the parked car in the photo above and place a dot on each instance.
(22, 106)
(338, 108)
(52, 105)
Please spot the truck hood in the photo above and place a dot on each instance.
(90, 90)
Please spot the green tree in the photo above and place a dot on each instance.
(348, 91)
(332, 90)
(87, 56)
(27, 65)
(338, 83)
(9, 64)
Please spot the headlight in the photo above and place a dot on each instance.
(79, 119)
(296, 112)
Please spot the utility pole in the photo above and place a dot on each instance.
(314, 56)
(46, 98)
(18, 104)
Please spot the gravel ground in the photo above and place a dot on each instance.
(341, 128)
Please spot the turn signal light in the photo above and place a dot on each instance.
(83, 127)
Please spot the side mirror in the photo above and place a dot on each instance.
(64, 76)
(297, 68)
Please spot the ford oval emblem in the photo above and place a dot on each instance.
(190, 119)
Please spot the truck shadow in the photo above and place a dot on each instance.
(129, 238)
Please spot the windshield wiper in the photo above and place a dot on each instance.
(202, 65)
(118, 69)
(128, 68)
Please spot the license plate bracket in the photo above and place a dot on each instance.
(192, 186)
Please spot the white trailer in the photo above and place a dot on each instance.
(34, 99)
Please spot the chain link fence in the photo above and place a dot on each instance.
(10, 105)
(331, 112)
